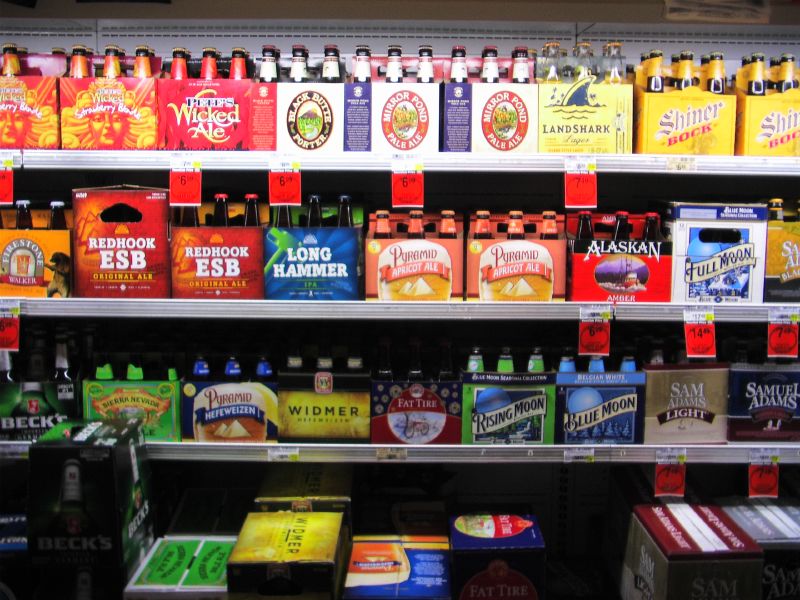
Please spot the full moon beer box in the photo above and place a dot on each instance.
(719, 252)
(120, 242)
(497, 556)
(764, 403)
(678, 551)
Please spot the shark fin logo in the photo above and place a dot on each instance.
(578, 102)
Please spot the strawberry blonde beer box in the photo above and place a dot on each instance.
(29, 100)
(120, 242)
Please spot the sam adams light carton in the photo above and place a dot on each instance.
(120, 242)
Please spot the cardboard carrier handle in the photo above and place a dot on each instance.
(121, 213)
(720, 236)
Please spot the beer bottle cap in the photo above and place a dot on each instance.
(582, 213)
(515, 214)
(251, 196)
(363, 50)
(717, 56)
(56, 50)
(786, 57)
(483, 214)
(112, 50)
(331, 50)
(489, 51)
(57, 204)
(549, 214)
(775, 201)
(23, 203)
(142, 51)
(10, 47)
(382, 214)
(675, 57)
(209, 52)
(622, 213)
(649, 215)
(426, 50)
(220, 196)
(458, 51)
(179, 52)
(269, 50)
(395, 50)
(345, 198)
(79, 49)
(314, 197)
(416, 214)
(758, 57)
(645, 55)
(745, 60)
(687, 55)
(238, 53)
(520, 52)
(299, 50)
(704, 59)
(448, 214)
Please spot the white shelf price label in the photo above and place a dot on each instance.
(6, 178)
(408, 182)
(283, 454)
(580, 182)
(594, 330)
(579, 455)
(765, 456)
(185, 180)
(9, 325)
(284, 182)
(671, 456)
(398, 454)
(681, 164)
(700, 332)
(782, 332)
(763, 474)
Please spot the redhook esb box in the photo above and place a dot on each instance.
(120, 242)
(218, 262)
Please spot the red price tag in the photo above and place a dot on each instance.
(6, 186)
(670, 480)
(185, 187)
(594, 338)
(763, 481)
(9, 325)
(701, 340)
(284, 188)
(580, 190)
(408, 189)
(782, 340)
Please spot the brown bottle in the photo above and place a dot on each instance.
(141, 63)
(383, 226)
(344, 218)
(516, 228)
(483, 227)
(58, 219)
(79, 62)
(189, 217)
(208, 66)
(220, 210)
(416, 228)
(585, 229)
(284, 217)
(11, 65)
(179, 70)
(549, 225)
(447, 225)
(621, 231)
(111, 66)
(238, 64)
(651, 233)
(24, 218)
(251, 216)
(314, 215)
(776, 209)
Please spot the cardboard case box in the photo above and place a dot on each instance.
(120, 242)
(764, 403)
(782, 282)
(719, 252)
(311, 118)
(30, 409)
(529, 270)
(688, 121)
(400, 269)
(405, 118)
(768, 125)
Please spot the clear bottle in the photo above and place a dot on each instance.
(520, 71)
(362, 72)
(425, 65)
(551, 54)
(394, 64)
(298, 71)
(615, 73)
(583, 60)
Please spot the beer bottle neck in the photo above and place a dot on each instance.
(330, 69)
(208, 67)
(111, 66)
(5, 361)
(490, 72)
(179, 69)
(62, 360)
(362, 72)
(141, 67)
(269, 70)
(78, 66)
(458, 70)
(520, 72)
(11, 66)
(298, 72)
(238, 68)
(425, 69)
(394, 69)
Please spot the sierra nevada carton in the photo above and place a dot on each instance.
(764, 403)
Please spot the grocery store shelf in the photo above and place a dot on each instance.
(367, 311)
(454, 162)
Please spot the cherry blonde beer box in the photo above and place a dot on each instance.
(516, 266)
(679, 551)
(120, 242)
(720, 252)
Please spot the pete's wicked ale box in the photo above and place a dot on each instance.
(686, 403)
(497, 556)
(679, 551)
(120, 242)
(217, 262)
(783, 262)
(720, 252)
(764, 403)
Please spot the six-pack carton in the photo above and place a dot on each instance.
(120, 242)
(686, 403)
(680, 551)
(517, 270)
(405, 118)
(35, 263)
(418, 412)
(608, 270)
(311, 118)
(768, 125)
(31, 408)
(600, 408)
(783, 262)
(401, 269)
(764, 403)
(719, 252)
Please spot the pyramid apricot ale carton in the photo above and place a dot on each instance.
(29, 100)
(764, 402)
(120, 242)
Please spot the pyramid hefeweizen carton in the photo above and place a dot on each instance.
(681, 551)
(719, 252)
(764, 403)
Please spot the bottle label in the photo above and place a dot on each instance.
(504, 120)
(414, 270)
(330, 67)
(516, 270)
(362, 72)
(65, 392)
(229, 412)
(22, 263)
(309, 120)
(405, 120)
(416, 413)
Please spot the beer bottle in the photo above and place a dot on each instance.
(630, 74)
(705, 59)
(490, 71)
(616, 70)
(331, 71)
(64, 378)
(111, 66)
(6, 368)
(776, 209)
(394, 65)
(567, 364)
(583, 63)
(24, 218)
(298, 70)
(475, 361)
(11, 66)
(79, 62)
(516, 228)
(458, 65)
(552, 58)
(58, 219)
(621, 230)
(483, 228)
(141, 63)
(756, 85)
(251, 216)
(651, 233)
(715, 73)
(355, 363)
(772, 72)
(446, 372)
(674, 67)
(415, 372)
(505, 362)
(742, 72)
(585, 230)
(786, 74)
(208, 64)
(283, 218)
(425, 64)
(232, 370)
(362, 72)
(447, 225)
(536, 361)
(238, 64)
(135, 368)
(264, 371)
(189, 217)
(383, 225)
(103, 369)
(345, 216)
(533, 58)
(416, 227)
(685, 76)
(314, 215)
(178, 69)
(220, 210)
(596, 365)
(58, 51)
(549, 225)
(384, 370)
(200, 368)
(72, 518)
(269, 71)
(655, 77)
(520, 73)
(657, 356)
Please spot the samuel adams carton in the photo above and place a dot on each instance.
(764, 403)
(680, 551)
(120, 242)
(90, 500)
(720, 252)
(497, 556)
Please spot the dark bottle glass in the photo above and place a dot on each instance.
(516, 228)
(189, 217)
(415, 372)
(384, 370)
(447, 225)
(58, 219)
(483, 227)
(446, 371)
(24, 218)
(220, 210)
(251, 216)
(651, 233)
(345, 216)
(585, 229)
(416, 227)
(284, 217)
(314, 215)
(621, 230)
(200, 369)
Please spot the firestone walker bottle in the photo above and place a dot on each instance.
(394, 64)
(520, 73)
(331, 72)
(208, 65)
(24, 218)
(11, 66)
(251, 216)
(425, 65)
(585, 230)
(79, 62)
(458, 65)
(58, 220)
(490, 71)
(362, 72)
(269, 71)
(655, 77)
(141, 63)
(756, 85)
(238, 64)
(178, 69)
(298, 71)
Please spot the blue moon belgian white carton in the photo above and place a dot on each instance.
(719, 252)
